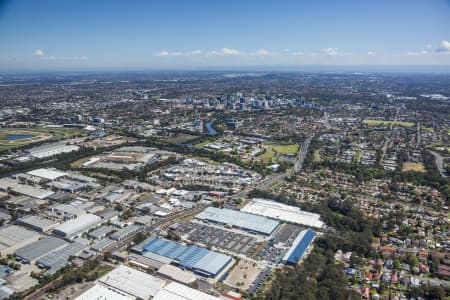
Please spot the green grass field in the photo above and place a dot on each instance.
(381, 122)
(316, 156)
(274, 150)
(413, 167)
(37, 135)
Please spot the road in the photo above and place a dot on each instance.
(271, 179)
(439, 163)
(36, 294)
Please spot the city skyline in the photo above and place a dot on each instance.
(113, 35)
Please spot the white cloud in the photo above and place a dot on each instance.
(197, 52)
(165, 53)
(298, 53)
(416, 53)
(371, 53)
(262, 52)
(330, 51)
(444, 48)
(38, 52)
(225, 51)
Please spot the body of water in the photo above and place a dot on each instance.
(211, 130)
(16, 137)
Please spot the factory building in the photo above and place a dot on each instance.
(73, 228)
(99, 291)
(13, 237)
(282, 212)
(202, 261)
(59, 258)
(133, 282)
(299, 247)
(176, 291)
(37, 223)
(238, 219)
(52, 149)
(33, 251)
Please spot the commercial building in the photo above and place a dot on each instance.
(133, 282)
(35, 250)
(66, 212)
(282, 212)
(242, 220)
(58, 259)
(52, 149)
(125, 232)
(102, 245)
(176, 291)
(37, 223)
(176, 274)
(48, 174)
(299, 247)
(75, 227)
(13, 237)
(100, 292)
(200, 260)
(8, 184)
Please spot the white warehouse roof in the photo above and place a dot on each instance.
(244, 220)
(176, 291)
(78, 225)
(100, 292)
(282, 212)
(50, 174)
(133, 282)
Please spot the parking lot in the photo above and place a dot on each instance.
(274, 251)
(287, 234)
(260, 279)
(219, 238)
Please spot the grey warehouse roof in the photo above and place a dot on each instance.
(39, 248)
(240, 219)
(77, 225)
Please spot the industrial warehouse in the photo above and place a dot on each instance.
(282, 212)
(200, 260)
(238, 219)
(125, 283)
(299, 247)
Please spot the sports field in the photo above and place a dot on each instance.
(274, 150)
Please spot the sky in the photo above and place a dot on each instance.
(202, 34)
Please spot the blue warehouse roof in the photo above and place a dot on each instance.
(298, 248)
(198, 259)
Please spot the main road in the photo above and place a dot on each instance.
(271, 179)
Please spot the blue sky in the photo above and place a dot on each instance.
(170, 34)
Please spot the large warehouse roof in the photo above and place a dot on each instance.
(59, 258)
(13, 236)
(247, 221)
(133, 282)
(212, 263)
(39, 248)
(78, 225)
(36, 223)
(50, 174)
(100, 292)
(201, 260)
(299, 246)
(176, 291)
(282, 212)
